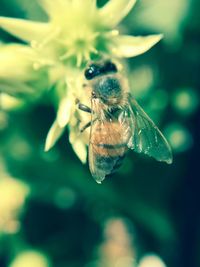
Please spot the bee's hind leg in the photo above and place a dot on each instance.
(84, 108)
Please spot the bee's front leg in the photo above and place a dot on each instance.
(84, 108)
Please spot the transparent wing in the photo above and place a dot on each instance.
(147, 138)
(109, 136)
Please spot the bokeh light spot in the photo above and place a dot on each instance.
(118, 247)
(179, 137)
(13, 194)
(185, 101)
(141, 81)
(20, 148)
(65, 198)
(151, 260)
(30, 259)
(9, 102)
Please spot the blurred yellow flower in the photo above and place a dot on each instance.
(30, 258)
(13, 194)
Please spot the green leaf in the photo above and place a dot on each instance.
(131, 46)
(115, 10)
(25, 30)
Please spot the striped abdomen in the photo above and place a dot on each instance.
(108, 145)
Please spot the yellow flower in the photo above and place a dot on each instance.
(19, 81)
(76, 32)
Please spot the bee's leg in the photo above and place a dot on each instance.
(84, 108)
(85, 126)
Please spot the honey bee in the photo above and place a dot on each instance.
(117, 123)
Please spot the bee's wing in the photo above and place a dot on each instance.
(108, 143)
(147, 138)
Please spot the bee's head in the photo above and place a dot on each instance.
(96, 69)
(106, 86)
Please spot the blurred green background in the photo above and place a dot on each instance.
(52, 213)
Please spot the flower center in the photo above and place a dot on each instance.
(80, 44)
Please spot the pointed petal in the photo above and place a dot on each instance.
(15, 88)
(15, 64)
(64, 111)
(131, 46)
(91, 3)
(80, 149)
(9, 102)
(54, 8)
(49, 6)
(78, 144)
(53, 135)
(115, 10)
(25, 30)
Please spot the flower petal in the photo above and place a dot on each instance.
(25, 30)
(53, 135)
(131, 46)
(55, 8)
(15, 88)
(115, 10)
(79, 148)
(9, 102)
(18, 77)
(91, 3)
(64, 111)
(15, 64)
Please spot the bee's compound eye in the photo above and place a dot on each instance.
(110, 67)
(92, 72)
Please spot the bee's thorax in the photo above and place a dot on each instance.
(108, 89)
